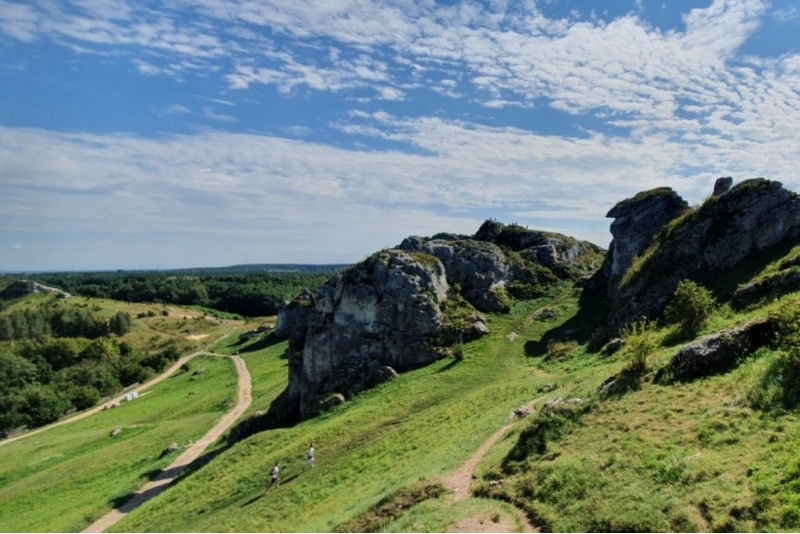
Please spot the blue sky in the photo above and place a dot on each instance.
(150, 134)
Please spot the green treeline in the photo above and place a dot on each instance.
(250, 295)
(60, 322)
(42, 379)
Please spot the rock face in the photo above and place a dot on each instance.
(722, 186)
(399, 308)
(479, 268)
(751, 217)
(380, 315)
(636, 222)
(720, 351)
(293, 316)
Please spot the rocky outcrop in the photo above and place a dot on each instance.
(719, 352)
(777, 284)
(293, 317)
(751, 217)
(722, 186)
(637, 220)
(480, 268)
(400, 308)
(21, 288)
(380, 315)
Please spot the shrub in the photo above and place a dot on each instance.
(558, 350)
(458, 353)
(690, 307)
(639, 345)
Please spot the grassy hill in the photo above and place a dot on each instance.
(695, 455)
(717, 453)
(62, 479)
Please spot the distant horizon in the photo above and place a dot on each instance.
(205, 132)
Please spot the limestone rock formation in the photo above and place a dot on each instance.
(636, 222)
(751, 217)
(399, 308)
(293, 317)
(480, 268)
(383, 312)
(719, 351)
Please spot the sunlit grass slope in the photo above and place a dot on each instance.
(425, 423)
(66, 477)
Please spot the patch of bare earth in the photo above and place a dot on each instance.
(483, 524)
(160, 483)
(197, 337)
(459, 482)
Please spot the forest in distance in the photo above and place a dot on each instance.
(249, 290)
(61, 354)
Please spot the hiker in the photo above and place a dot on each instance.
(276, 480)
(310, 456)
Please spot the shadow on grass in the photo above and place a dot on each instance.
(620, 384)
(449, 366)
(263, 343)
(592, 311)
(678, 336)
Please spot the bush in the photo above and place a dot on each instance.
(458, 353)
(690, 307)
(778, 384)
(639, 345)
(558, 350)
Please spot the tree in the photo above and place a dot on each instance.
(83, 397)
(120, 323)
(43, 404)
(16, 372)
(690, 307)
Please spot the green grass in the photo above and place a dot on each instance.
(377, 443)
(66, 477)
(684, 456)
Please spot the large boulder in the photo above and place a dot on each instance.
(751, 217)
(720, 351)
(382, 313)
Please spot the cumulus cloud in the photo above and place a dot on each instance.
(651, 106)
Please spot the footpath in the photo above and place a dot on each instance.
(160, 483)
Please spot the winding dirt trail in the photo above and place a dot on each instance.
(460, 481)
(116, 400)
(160, 483)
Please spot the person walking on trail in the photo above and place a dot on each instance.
(275, 474)
(310, 456)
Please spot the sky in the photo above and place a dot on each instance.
(148, 134)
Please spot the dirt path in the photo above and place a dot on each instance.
(160, 483)
(116, 400)
(460, 481)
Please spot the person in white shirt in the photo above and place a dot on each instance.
(276, 479)
(310, 456)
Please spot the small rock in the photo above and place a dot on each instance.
(547, 388)
(116, 432)
(547, 314)
(331, 401)
(722, 185)
(522, 411)
(613, 346)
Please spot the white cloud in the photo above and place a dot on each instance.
(785, 14)
(18, 21)
(209, 113)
